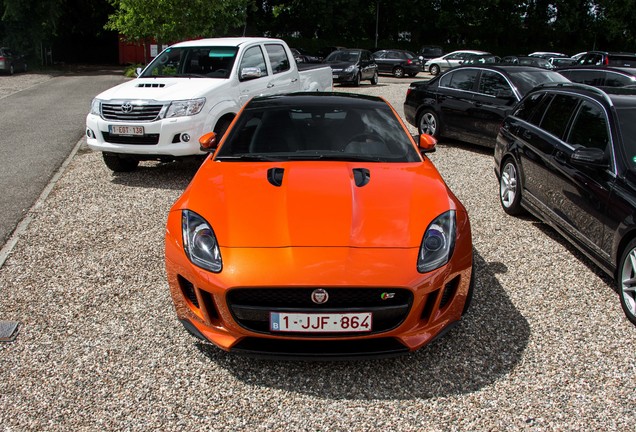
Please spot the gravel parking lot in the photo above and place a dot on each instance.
(545, 345)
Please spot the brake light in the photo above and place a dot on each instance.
(606, 61)
(408, 91)
(409, 61)
(2, 58)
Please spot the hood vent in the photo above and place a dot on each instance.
(275, 176)
(361, 176)
(151, 85)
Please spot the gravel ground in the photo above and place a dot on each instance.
(544, 347)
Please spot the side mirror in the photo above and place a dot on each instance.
(427, 143)
(249, 73)
(138, 71)
(208, 142)
(589, 158)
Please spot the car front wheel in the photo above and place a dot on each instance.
(356, 80)
(510, 188)
(374, 79)
(429, 123)
(118, 163)
(434, 69)
(626, 281)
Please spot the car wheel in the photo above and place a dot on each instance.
(11, 70)
(221, 128)
(356, 81)
(374, 79)
(434, 69)
(429, 123)
(626, 281)
(118, 163)
(398, 72)
(510, 188)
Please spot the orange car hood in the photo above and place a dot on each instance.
(318, 204)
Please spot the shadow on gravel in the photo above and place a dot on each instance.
(159, 175)
(487, 345)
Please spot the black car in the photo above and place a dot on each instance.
(470, 102)
(12, 61)
(398, 63)
(605, 58)
(352, 66)
(428, 52)
(567, 154)
(600, 76)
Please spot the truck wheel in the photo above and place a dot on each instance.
(118, 163)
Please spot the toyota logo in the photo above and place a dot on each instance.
(319, 296)
(126, 107)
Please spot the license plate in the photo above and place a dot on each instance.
(126, 130)
(335, 76)
(320, 323)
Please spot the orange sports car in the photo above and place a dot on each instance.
(318, 229)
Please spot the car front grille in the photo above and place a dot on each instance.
(251, 307)
(131, 112)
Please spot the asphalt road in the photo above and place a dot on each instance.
(39, 126)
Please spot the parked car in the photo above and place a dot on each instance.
(12, 61)
(470, 102)
(605, 58)
(600, 76)
(548, 55)
(527, 61)
(428, 52)
(283, 245)
(398, 63)
(562, 61)
(450, 60)
(303, 56)
(567, 155)
(189, 89)
(479, 59)
(350, 66)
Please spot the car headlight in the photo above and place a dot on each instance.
(438, 243)
(185, 108)
(350, 69)
(96, 107)
(199, 242)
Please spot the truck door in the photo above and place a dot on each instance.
(253, 76)
(284, 77)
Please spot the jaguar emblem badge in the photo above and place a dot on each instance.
(126, 107)
(319, 296)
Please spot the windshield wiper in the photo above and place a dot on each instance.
(258, 157)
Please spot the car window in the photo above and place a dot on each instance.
(253, 58)
(593, 78)
(277, 57)
(627, 126)
(380, 54)
(556, 118)
(618, 80)
(463, 79)
(494, 84)
(527, 80)
(621, 61)
(532, 107)
(590, 128)
(214, 62)
(393, 55)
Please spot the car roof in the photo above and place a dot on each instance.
(613, 96)
(222, 42)
(625, 70)
(468, 52)
(507, 68)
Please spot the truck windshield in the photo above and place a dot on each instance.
(200, 61)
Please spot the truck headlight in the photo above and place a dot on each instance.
(96, 107)
(438, 243)
(199, 242)
(182, 108)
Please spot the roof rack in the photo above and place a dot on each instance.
(590, 88)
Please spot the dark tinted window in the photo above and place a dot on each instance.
(627, 125)
(624, 61)
(589, 128)
(463, 79)
(617, 80)
(253, 58)
(527, 80)
(591, 59)
(493, 84)
(531, 109)
(277, 57)
(558, 114)
(589, 77)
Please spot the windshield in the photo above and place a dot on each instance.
(203, 62)
(527, 80)
(627, 125)
(343, 56)
(319, 132)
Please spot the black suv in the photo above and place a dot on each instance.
(600, 76)
(605, 58)
(567, 154)
(398, 63)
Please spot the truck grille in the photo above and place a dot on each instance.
(251, 307)
(131, 112)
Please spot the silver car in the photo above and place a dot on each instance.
(447, 61)
(11, 61)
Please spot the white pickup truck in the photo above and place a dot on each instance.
(192, 88)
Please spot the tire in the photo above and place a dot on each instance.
(510, 188)
(356, 81)
(11, 70)
(434, 69)
(221, 128)
(398, 72)
(375, 79)
(118, 163)
(626, 281)
(428, 123)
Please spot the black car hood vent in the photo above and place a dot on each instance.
(275, 176)
(151, 85)
(361, 176)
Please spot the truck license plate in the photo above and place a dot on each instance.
(126, 130)
(320, 323)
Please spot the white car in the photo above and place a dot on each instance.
(450, 60)
(192, 88)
